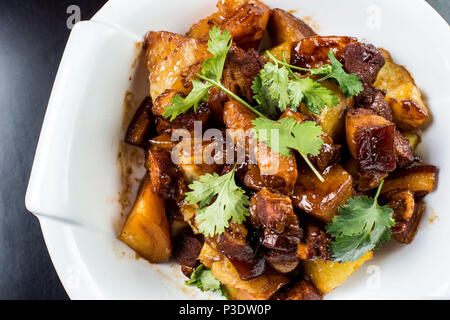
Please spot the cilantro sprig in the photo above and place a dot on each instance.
(278, 81)
(304, 137)
(230, 202)
(204, 280)
(212, 69)
(349, 83)
(362, 226)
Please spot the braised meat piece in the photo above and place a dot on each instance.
(140, 127)
(186, 250)
(163, 173)
(370, 139)
(282, 261)
(303, 290)
(246, 20)
(276, 170)
(403, 152)
(252, 179)
(245, 258)
(407, 215)
(312, 52)
(364, 60)
(373, 99)
(241, 68)
(171, 61)
(322, 199)
(364, 180)
(274, 212)
(272, 209)
(315, 242)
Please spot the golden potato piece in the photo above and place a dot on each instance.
(322, 199)
(246, 20)
(284, 27)
(278, 51)
(173, 60)
(332, 118)
(147, 230)
(328, 275)
(402, 94)
(420, 180)
(259, 288)
(413, 138)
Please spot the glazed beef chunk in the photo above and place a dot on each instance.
(364, 60)
(186, 250)
(315, 242)
(403, 152)
(274, 215)
(303, 290)
(373, 99)
(243, 254)
(370, 139)
(164, 173)
(240, 69)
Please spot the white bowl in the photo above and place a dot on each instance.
(75, 180)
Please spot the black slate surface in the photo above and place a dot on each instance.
(32, 39)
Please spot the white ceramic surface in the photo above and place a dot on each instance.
(75, 180)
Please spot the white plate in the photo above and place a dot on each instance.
(75, 179)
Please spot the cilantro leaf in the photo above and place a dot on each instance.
(181, 105)
(274, 83)
(361, 226)
(316, 96)
(204, 280)
(266, 105)
(218, 45)
(350, 83)
(308, 137)
(276, 80)
(230, 203)
(304, 137)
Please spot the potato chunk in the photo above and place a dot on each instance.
(146, 230)
(172, 61)
(246, 20)
(420, 180)
(331, 119)
(284, 27)
(328, 275)
(370, 140)
(405, 98)
(259, 288)
(284, 30)
(322, 199)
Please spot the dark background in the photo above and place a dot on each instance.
(33, 35)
